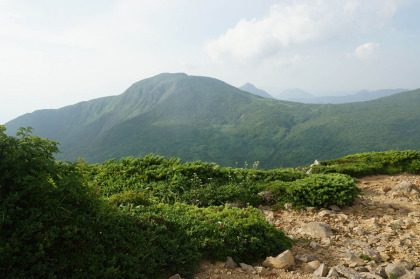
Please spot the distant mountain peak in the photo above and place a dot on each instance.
(249, 87)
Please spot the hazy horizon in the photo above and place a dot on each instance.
(55, 54)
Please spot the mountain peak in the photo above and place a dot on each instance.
(249, 87)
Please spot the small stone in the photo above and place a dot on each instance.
(315, 245)
(307, 258)
(368, 275)
(333, 273)
(405, 264)
(372, 254)
(396, 270)
(230, 263)
(282, 261)
(176, 276)
(261, 270)
(355, 260)
(288, 206)
(414, 214)
(247, 268)
(317, 230)
(348, 273)
(334, 208)
(321, 271)
(359, 231)
(380, 270)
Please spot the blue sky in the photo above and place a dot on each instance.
(55, 53)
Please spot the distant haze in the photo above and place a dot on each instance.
(57, 53)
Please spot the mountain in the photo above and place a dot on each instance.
(293, 93)
(201, 118)
(360, 96)
(248, 87)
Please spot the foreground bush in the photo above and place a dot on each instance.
(318, 190)
(220, 231)
(358, 165)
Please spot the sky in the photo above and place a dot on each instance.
(55, 53)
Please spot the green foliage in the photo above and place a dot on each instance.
(221, 231)
(169, 181)
(389, 162)
(129, 197)
(319, 190)
(365, 257)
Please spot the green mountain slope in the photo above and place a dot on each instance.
(200, 118)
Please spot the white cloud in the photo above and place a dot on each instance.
(366, 50)
(300, 23)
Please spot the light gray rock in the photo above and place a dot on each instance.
(372, 254)
(405, 264)
(347, 272)
(368, 275)
(176, 276)
(410, 275)
(230, 263)
(315, 245)
(307, 258)
(396, 270)
(248, 268)
(317, 230)
(380, 270)
(321, 271)
(311, 266)
(333, 273)
(282, 261)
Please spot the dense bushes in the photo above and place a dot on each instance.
(318, 190)
(389, 162)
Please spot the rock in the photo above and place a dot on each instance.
(380, 270)
(347, 272)
(405, 188)
(307, 258)
(282, 261)
(414, 214)
(321, 271)
(317, 230)
(333, 273)
(354, 259)
(288, 206)
(359, 231)
(261, 270)
(405, 264)
(176, 276)
(368, 275)
(315, 245)
(247, 268)
(230, 263)
(334, 208)
(411, 275)
(311, 266)
(372, 254)
(396, 270)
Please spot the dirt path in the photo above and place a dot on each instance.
(381, 220)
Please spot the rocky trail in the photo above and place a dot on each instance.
(378, 237)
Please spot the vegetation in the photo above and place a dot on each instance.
(199, 118)
(147, 217)
(390, 162)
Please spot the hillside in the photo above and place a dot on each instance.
(360, 96)
(200, 118)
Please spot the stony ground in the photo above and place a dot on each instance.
(382, 220)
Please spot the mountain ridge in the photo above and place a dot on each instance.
(201, 118)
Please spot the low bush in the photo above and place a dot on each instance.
(221, 231)
(318, 190)
(358, 165)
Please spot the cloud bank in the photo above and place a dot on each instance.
(299, 23)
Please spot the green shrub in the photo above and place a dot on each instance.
(129, 197)
(318, 190)
(221, 231)
(358, 165)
